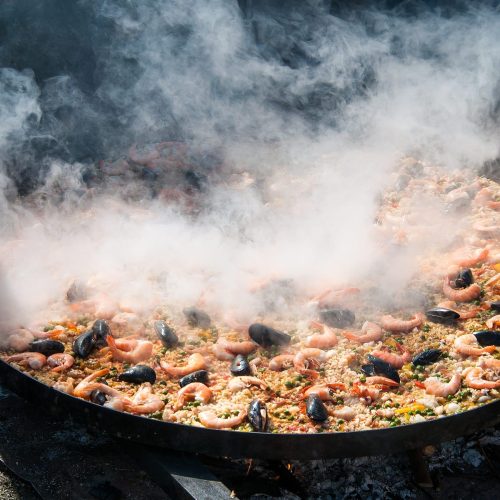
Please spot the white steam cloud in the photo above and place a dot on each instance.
(308, 112)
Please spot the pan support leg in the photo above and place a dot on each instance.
(420, 468)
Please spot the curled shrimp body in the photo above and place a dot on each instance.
(226, 350)
(469, 346)
(392, 324)
(20, 339)
(474, 379)
(281, 362)
(195, 362)
(471, 259)
(325, 340)
(450, 304)
(370, 332)
(84, 387)
(395, 360)
(210, 419)
(437, 387)
(34, 360)
(307, 357)
(130, 350)
(492, 363)
(144, 401)
(60, 361)
(195, 391)
(237, 384)
(325, 392)
(493, 322)
(462, 294)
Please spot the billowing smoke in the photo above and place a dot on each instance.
(229, 153)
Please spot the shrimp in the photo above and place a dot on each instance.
(493, 322)
(395, 360)
(345, 413)
(450, 304)
(399, 325)
(195, 362)
(376, 380)
(324, 340)
(196, 391)
(303, 358)
(492, 363)
(466, 345)
(144, 401)
(370, 332)
(237, 384)
(83, 388)
(363, 391)
(223, 348)
(325, 392)
(462, 294)
(436, 387)
(210, 419)
(60, 361)
(474, 379)
(34, 360)
(470, 260)
(281, 362)
(20, 339)
(130, 350)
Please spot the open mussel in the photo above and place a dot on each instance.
(165, 334)
(84, 344)
(257, 416)
(442, 315)
(197, 317)
(198, 376)
(100, 330)
(138, 374)
(98, 397)
(427, 357)
(240, 366)
(337, 318)
(488, 337)
(383, 368)
(47, 347)
(315, 408)
(267, 336)
(464, 279)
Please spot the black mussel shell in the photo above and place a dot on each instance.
(368, 370)
(46, 347)
(100, 330)
(463, 279)
(383, 368)
(488, 337)
(165, 334)
(98, 397)
(257, 416)
(442, 315)
(427, 357)
(83, 344)
(197, 317)
(76, 292)
(240, 366)
(495, 306)
(267, 336)
(315, 408)
(198, 376)
(138, 374)
(337, 318)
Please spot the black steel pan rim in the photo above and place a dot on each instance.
(238, 444)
